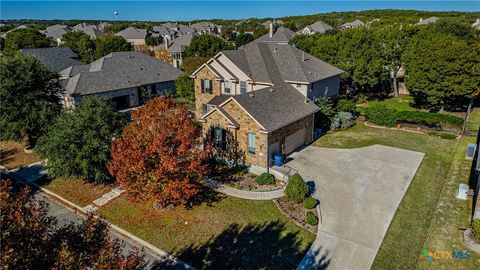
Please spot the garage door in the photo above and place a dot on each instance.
(273, 149)
(294, 141)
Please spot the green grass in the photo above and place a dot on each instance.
(227, 234)
(75, 190)
(402, 103)
(451, 216)
(405, 237)
(474, 119)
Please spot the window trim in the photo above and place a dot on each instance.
(246, 87)
(204, 90)
(251, 150)
(229, 87)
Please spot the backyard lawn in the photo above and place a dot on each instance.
(77, 191)
(405, 237)
(451, 216)
(474, 119)
(402, 103)
(226, 233)
(12, 155)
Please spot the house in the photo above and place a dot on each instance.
(57, 59)
(319, 27)
(129, 79)
(267, 23)
(206, 28)
(56, 32)
(262, 96)
(135, 36)
(92, 30)
(354, 24)
(476, 24)
(164, 32)
(427, 21)
(177, 46)
(281, 35)
(104, 26)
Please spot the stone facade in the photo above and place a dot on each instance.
(202, 98)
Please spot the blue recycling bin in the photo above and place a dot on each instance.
(278, 160)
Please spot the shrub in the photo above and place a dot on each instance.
(429, 119)
(381, 115)
(347, 105)
(311, 219)
(296, 188)
(476, 228)
(325, 113)
(309, 203)
(342, 120)
(265, 179)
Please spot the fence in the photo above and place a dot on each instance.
(471, 123)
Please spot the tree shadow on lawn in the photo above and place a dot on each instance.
(206, 196)
(6, 155)
(264, 246)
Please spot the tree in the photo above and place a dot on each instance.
(243, 39)
(296, 189)
(25, 38)
(442, 71)
(153, 41)
(109, 44)
(258, 32)
(454, 27)
(81, 44)
(185, 88)
(158, 155)
(31, 239)
(78, 143)
(163, 55)
(206, 46)
(29, 98)
(192, 63)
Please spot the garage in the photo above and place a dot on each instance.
(294, 141)
(273, 149)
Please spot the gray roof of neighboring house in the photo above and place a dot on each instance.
(92, 30)
(281, 35)
(476, 24)
(320, 27)
(292, 63)
(353, 24)
(56, 31)
(427, 21)
(178, 45)
(162, 30)
(133, 33)
(56, 59)
(120, 70)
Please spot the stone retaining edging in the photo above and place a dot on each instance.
(469, 241)
(244, 194)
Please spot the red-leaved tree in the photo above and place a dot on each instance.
(159, 155)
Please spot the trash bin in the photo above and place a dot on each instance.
(278, 159)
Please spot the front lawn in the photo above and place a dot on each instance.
(227, 233)
(12, 155)
(404, 239)
(452, 216)
(75, 190)
(402, 103)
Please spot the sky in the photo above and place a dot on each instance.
(191, 10)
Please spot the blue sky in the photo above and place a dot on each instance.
(189, 10)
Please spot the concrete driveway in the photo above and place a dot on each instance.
(359, 192)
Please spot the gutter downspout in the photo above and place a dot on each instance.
(268, 155)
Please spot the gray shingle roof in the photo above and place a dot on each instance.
(427, 21)
(281, 35)
(320, 27)
(217, 100)
(133, 33)
(55, 58)
(56, 31)
(163, 30)
(353, 24)
(120, 70)
(92, 30)
(178, 45)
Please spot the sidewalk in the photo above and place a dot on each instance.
(245, 194)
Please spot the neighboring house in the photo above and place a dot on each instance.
(177, 46)
(164, 32)
(135, 36)
(319, 27)
(476, 172)
(92, 30)
(354, 24)
(262, 96)
(476, 25)
(129, 79)
(56, 32)
(281, 35)
(57, 59)
(104, 26)
(427, 21)
(267, 23)
(206, 28)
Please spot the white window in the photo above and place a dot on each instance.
(251, 143)
(227, 87)
(243, 87)
(206, 86)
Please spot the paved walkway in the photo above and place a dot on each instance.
(104, 199)
(245, 194)
(359, 192)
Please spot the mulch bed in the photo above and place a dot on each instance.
(296, 212)
(243, 181)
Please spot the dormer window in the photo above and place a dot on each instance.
(243, 87)
(207, 86)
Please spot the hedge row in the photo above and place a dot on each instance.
(381, 115)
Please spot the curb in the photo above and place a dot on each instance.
(244, 194)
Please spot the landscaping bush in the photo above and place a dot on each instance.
(265, 179)
(309, 203)
(296, 188)
(476, 228)
(311, 219)
(347, 105)
(342, 120)
(381, 115)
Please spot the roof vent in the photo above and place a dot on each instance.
(275, 49)
(272, 90)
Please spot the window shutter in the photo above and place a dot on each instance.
(224, 138)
